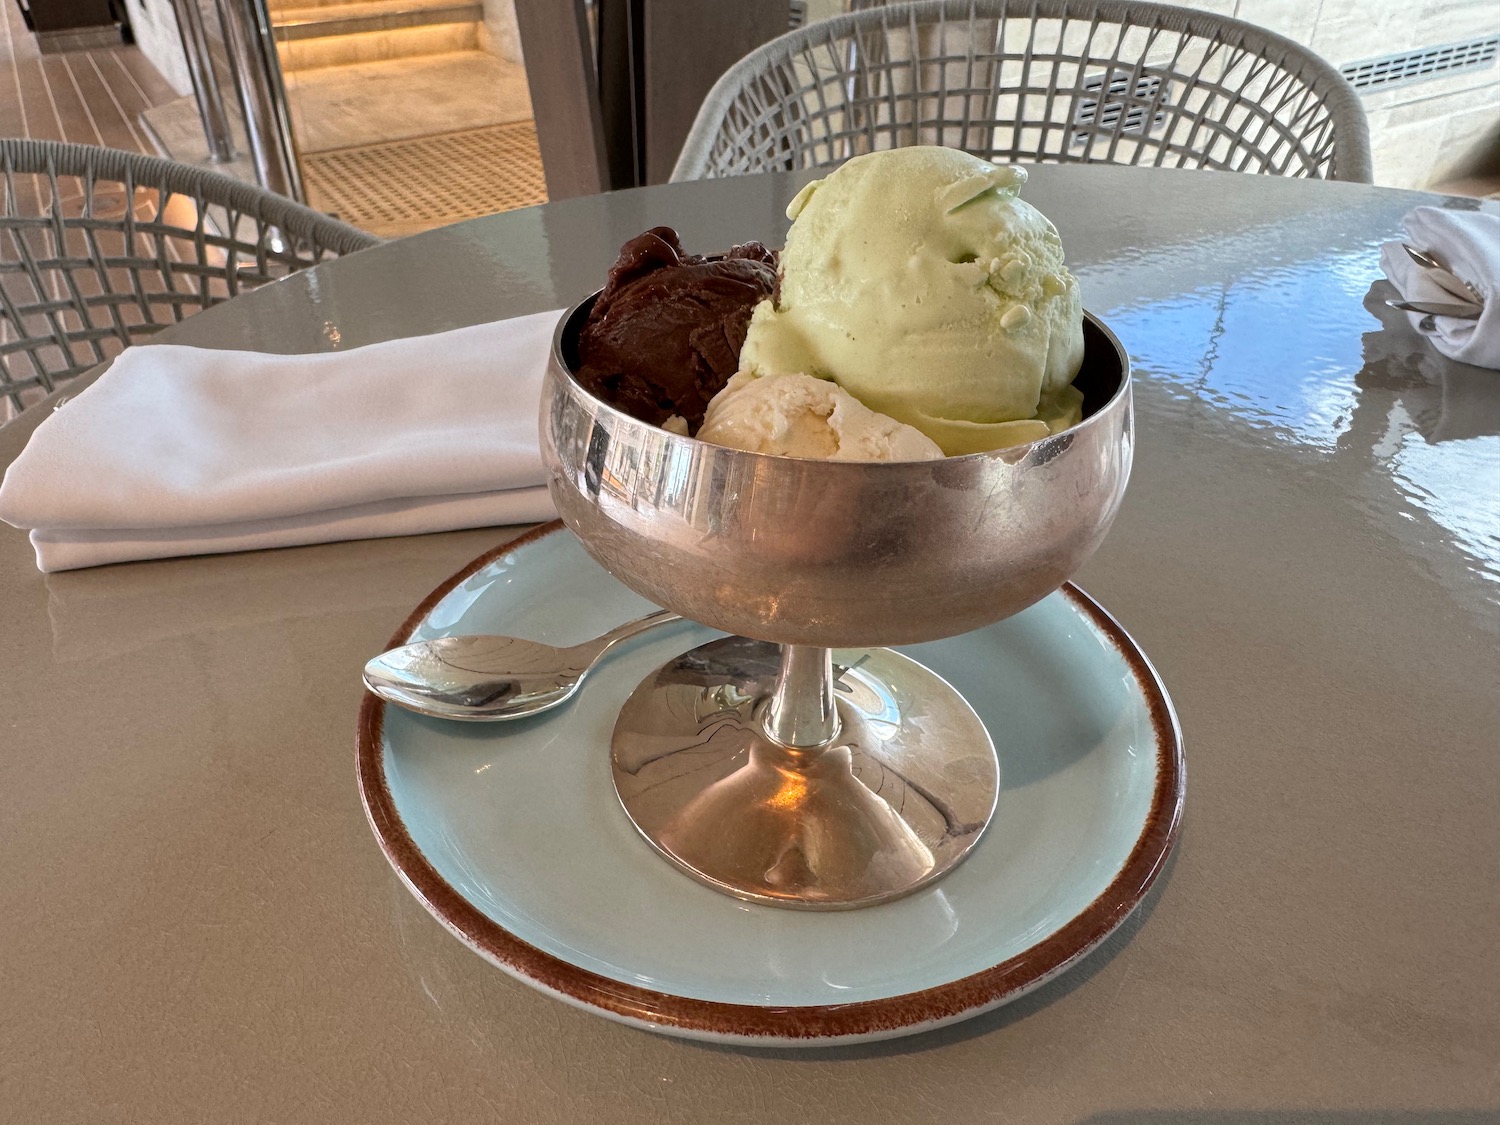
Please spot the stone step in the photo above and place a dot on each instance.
(292, 25)
(371, 103)
(276, 7)
(300, 56)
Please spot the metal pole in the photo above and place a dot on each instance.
(205, 82)
(257, 78)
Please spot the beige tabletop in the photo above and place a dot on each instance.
(196, 924)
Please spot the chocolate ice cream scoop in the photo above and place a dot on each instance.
(665, 334)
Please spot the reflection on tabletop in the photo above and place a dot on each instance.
(1440, 400)
(1431, 426)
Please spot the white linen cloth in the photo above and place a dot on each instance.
(184, 451)
(1468, 243)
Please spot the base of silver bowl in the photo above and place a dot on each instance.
(898, 798)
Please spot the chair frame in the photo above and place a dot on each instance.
(84, 273)
(758, 117)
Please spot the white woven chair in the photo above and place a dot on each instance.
(1033, 80)
(101, 248)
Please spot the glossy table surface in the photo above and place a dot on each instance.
(197, 924)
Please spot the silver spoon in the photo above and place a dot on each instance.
(481, 679)
(1422, 258)
(1446, 278)
(1456, 310)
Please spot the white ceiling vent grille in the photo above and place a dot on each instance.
(1428, 62)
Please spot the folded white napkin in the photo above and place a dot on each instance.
(1468, 243)
(184, 451)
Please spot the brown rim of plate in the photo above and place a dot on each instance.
(930, 1007)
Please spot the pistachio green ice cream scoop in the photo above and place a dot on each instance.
(918, 281)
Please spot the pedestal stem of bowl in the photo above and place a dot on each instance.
(802, 714)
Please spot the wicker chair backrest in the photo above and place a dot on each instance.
(101, 248)
(1033, 80)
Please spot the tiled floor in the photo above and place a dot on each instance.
(89, 97)
(404, 187)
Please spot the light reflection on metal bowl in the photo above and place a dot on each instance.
(827, 553)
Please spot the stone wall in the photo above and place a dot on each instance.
(498, 33)
(155, 26)
(1423, 133)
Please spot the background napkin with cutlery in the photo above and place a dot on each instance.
(183, 451)
(1468, 244)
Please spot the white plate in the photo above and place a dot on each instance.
(512, 836)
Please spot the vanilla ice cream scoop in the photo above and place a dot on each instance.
(799, 416)
(918, 280)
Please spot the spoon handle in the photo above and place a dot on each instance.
(1460, 311)
(592, 650)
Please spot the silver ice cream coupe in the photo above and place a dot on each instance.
(799, 762)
